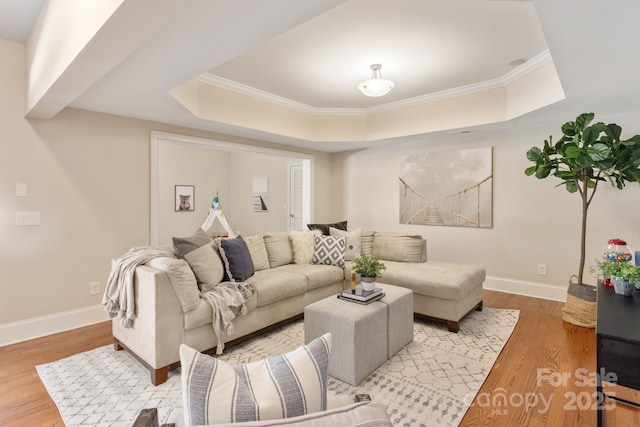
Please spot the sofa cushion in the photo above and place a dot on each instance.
(288, 385)
(329, 250)
(279, 249)
(207, 265)
(236, 257)
(202, 256)
(324, 228)
(354, 244)
(182, 280)
(438, 279)
(366, 241)
(274, 285)
(303, 246)
(258, 252)
(184, 245)
(317, 275)
(397, 247)
(203, 313)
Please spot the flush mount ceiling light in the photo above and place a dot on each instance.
(376, 85)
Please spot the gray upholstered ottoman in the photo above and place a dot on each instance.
(358, 335)
(400, 324)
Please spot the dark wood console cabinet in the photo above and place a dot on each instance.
(618, 344)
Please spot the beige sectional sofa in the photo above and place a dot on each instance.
(169, 311)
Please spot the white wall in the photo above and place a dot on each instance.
(533, 221)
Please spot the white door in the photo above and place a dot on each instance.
(296, 185)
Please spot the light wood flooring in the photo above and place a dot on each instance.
(529, 369)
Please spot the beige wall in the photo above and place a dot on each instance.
(246, 166)
(88, 175)
(207, 170)
(533, 221)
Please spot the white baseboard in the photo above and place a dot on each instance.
(529, 289)
(23, 330)
(11, 333)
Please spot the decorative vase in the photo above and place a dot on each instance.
(368, 283)
(622, 286)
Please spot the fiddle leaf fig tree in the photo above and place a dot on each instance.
(584, 156)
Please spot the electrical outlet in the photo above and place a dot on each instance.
(94, 288)
(542, 269)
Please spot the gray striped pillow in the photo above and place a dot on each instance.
(284, 386)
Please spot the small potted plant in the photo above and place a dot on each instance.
(623, 275)
(604, 270)
(369, 269)
(626, 279)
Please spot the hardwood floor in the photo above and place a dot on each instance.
(529, 369)
(23, 399)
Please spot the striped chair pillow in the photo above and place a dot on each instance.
(284, 386)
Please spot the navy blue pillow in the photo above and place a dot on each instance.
(238, 265)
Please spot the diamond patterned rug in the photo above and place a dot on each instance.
(430, 382)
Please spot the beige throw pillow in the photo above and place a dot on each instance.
(354, 245)
(279, 249)
(398, 248)
(258, 252)
(206, 264)
(201, 255)
(303, 245)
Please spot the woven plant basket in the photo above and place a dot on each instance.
(580, 308)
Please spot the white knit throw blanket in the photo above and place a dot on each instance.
(118, 296)
(224, 297)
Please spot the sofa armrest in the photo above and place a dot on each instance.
(158, 328)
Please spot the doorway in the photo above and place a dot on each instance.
(299, 195)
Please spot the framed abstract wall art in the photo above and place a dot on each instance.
(452, 188)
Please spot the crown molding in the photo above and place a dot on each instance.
(223, 83)
(529, 66)
(543, 58)
(533, 64)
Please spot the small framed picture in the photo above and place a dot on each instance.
(185, 198)
(260, 198)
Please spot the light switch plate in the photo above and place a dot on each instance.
(28, 218)
(21, 190)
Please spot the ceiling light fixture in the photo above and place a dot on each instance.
(376, 85)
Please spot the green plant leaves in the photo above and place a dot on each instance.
(584, 119)
(569, 129)
(572, 151)
(535, 154)
(598, 152)
(585, 155)
(543, 171)
(572, 186)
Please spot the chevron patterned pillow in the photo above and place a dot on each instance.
(329, 250)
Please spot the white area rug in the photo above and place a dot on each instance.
(431, 382)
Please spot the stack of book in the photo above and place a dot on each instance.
(361, 296)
